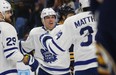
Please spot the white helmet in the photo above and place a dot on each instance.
(47, 11)
(4, 6)
(84, 3)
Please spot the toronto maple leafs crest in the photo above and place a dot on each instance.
(48, 57)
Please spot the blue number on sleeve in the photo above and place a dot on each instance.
(10, 41)
(89, 35)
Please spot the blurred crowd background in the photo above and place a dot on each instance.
(26, 13)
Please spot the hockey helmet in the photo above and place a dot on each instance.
(84, 3)
(47, 11)
(4, 6)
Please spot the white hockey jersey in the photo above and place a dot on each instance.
(80, 30)
(84, 41)
(50, 61)
(9, 50)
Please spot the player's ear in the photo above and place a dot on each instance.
(42, 21)
(0, 13)
(64, 17)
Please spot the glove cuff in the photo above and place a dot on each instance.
(34, 65)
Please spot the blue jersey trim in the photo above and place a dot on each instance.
(44, 40)
(52, 51)
(10, 49)
(10, 54)
(21, 49)
(8, 72)
(54, 69)
(85, 62)
(44, 43)
(49, 37)
(57, 46)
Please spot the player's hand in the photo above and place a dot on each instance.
(31, 61)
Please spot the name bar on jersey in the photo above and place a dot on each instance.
(84, 21)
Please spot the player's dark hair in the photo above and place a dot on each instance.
(65, 10)
(86, 9)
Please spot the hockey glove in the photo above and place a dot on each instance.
(31, 61)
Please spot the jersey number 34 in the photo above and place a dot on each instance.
(88, 35)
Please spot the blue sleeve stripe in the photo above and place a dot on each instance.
(57, 46)
(9, 72)
(10, 54)
(21, 49)
(24, 51)
(11, 49)
(85, 62)
(52, 50)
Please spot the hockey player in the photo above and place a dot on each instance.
(79, 30)
(9, 50)
(65, 12)
(51, 63)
